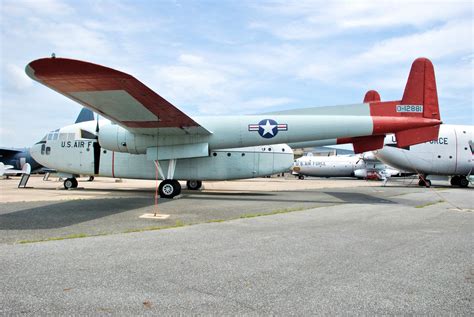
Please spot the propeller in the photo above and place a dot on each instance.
(97, 148)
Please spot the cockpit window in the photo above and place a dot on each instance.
(87, 135)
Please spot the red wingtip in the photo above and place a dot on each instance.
(371, 96)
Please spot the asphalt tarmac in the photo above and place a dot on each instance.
(321, 250)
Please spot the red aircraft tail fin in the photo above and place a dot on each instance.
(371, 96)
(414, 119)
(420, 90)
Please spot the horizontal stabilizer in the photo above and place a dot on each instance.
(415, 136)
(364, 143)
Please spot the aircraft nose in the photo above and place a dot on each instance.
(35, 151)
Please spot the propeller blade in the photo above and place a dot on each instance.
(97, 148)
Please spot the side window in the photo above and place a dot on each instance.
(50, 136)
(48, 150)
(55, 136)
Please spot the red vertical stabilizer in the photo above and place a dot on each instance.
(414, 119)
(371, 96)
(420, 90)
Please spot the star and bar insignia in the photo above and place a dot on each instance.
(268, 128)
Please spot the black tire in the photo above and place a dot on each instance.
(70, 183)
(424, 182)
(463, 182)
(169, 188)
(455, 180)
(193, 184)
(301, 177)
(177, 185)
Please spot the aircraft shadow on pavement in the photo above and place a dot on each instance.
(290, 197)
(68, 213)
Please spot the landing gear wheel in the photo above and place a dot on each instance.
(424, 182)
(193, 184)
(169, 188)
(70, 183)
(463, 182)
(455, 180)
(301, 177)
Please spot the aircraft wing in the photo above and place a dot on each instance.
(4, 151)
(116, 96)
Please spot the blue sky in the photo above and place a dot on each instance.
(235, 57)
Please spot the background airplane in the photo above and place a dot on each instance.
(364, 166)
(16, 158)
(149, 134)
(450, 155)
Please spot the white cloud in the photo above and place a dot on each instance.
(190, 59)
(258, 104)
(16, 78)
(452, 39)
(35, 7)
(309, 19)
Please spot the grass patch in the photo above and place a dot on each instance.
(430, 204)
(71, 236)
(177, 224)
(275, 212)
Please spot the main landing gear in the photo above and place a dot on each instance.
(193, 184)
(424, 182)
(460, 181)
(169, 188)
(70, 183)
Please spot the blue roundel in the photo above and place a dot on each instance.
(268, 128)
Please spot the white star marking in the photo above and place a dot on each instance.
(268, 128)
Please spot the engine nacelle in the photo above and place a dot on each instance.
(113, 137)
(369, 156)
(360, 173)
